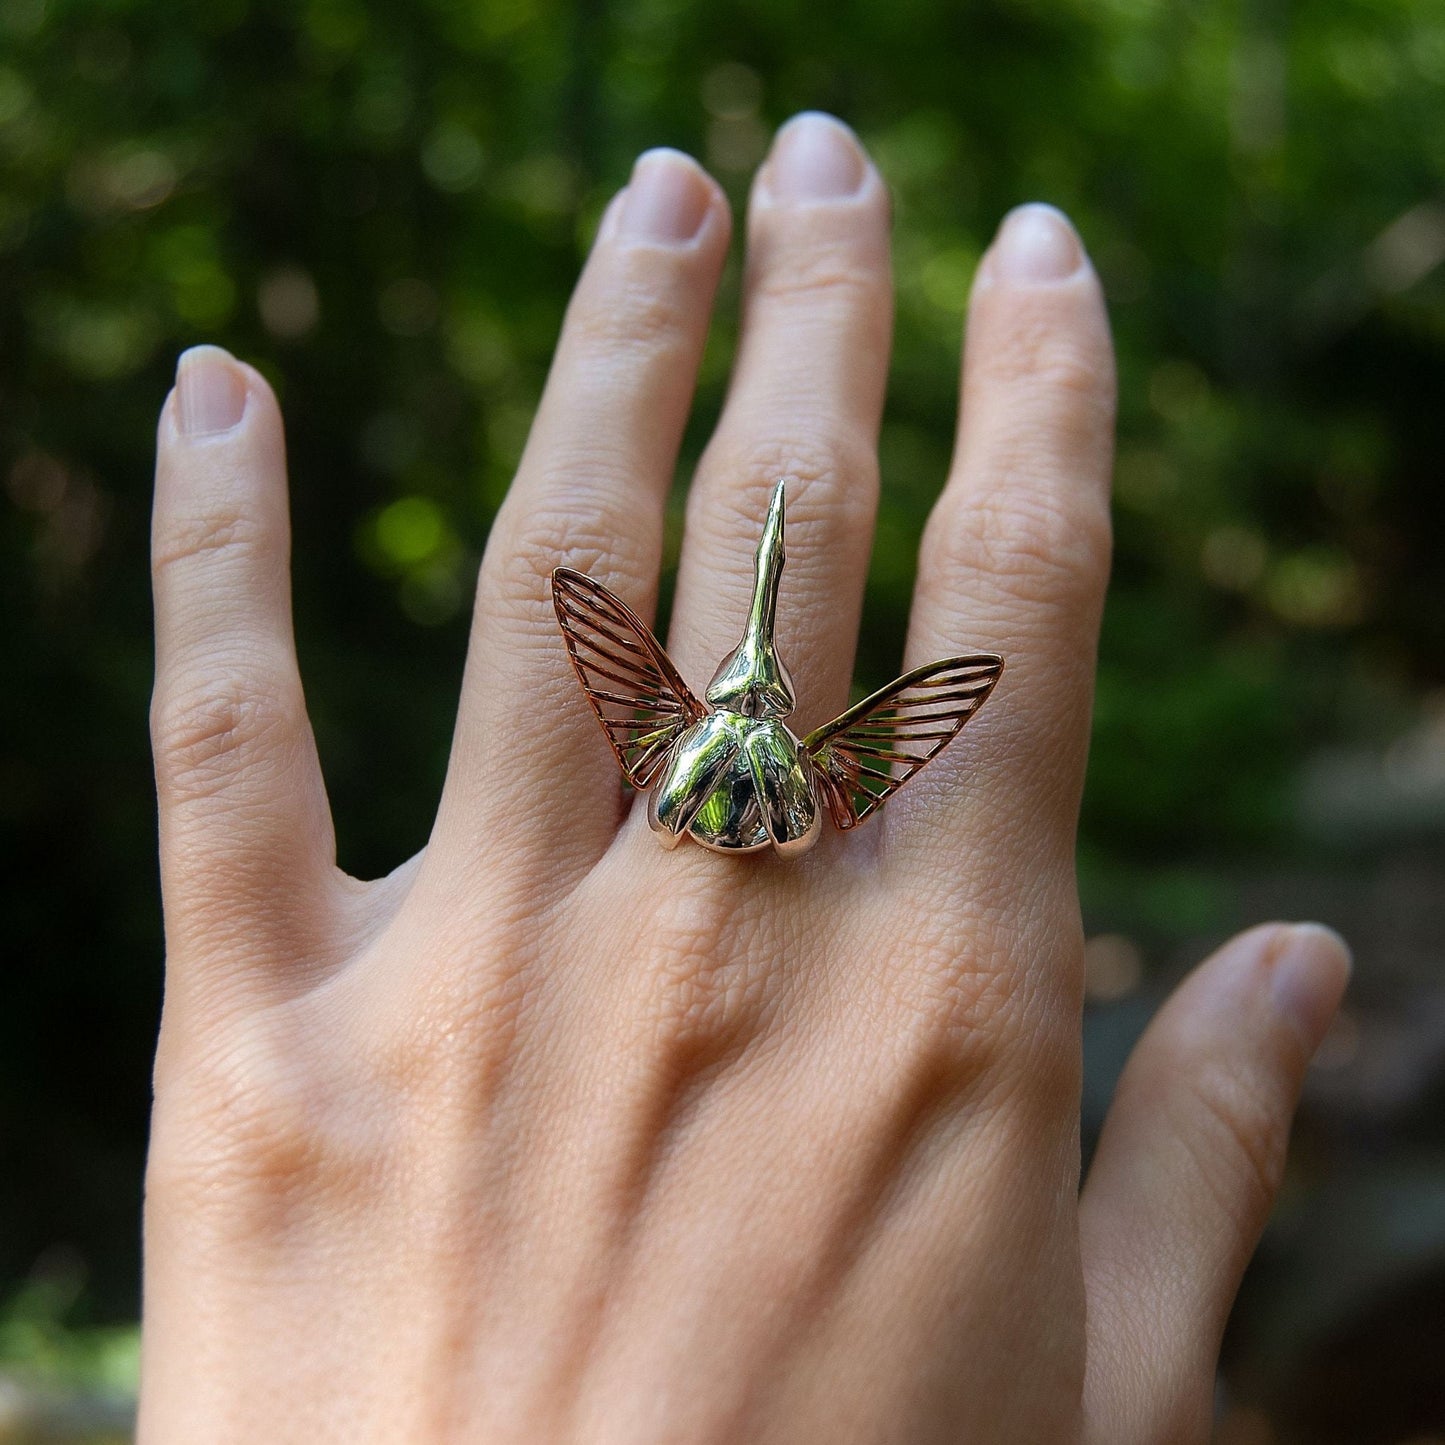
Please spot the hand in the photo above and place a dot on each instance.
(555, 1136)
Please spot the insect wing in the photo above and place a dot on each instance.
(638, 695)
(866, 754)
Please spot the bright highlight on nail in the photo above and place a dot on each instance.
(1309, 970)
(815, 158)
(1035, 244)
(210, 392)
(667, 199)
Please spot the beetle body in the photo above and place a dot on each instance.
(737, 783)
(737, 779)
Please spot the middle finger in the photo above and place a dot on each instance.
(805, 402)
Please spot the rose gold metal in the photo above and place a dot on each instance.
(638, 695)
(902, 726)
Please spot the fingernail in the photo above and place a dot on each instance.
(1034, 244)
(815, 158)
(1308, 973)
(210, 391)
(667, 199)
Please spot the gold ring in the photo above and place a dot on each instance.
(725, 769)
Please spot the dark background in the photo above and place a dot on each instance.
(383, 203)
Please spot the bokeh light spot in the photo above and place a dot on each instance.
(410, 530)
(289, 303)
(1178, 390)
(478, 345)
(732, 90)
(736, 142)
(22, 17)
(383, 104)
(15, 96)
(1146, 478)
(946, 277)
(97, 340)
(336, 24)
(1233, 558)
(1316, 587)
(1113, 967)
(452, 157)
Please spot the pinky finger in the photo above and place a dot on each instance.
(247, 853)
(1186, 1173)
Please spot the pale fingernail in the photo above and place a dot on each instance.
(815, 158)
(1034, 244)
(210, 391)
(1309, 971)
(667, 199)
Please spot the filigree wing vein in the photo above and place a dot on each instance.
(866, 754)
(637, 694)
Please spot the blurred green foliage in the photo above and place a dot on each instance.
(36, 1340)
(383, 203)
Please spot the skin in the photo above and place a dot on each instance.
(553, 1135)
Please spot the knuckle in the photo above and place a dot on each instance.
(1038, 355)
(450, 1049)
(967, 997)
(565, 525)
(213, 535)
(233, 725)
(708, 996)
(832, 492)
(1239, 1141)
(1046, 532)
(244, 1128)
(812, 276)
(1044, 542)
(834, 255)
(631, 313)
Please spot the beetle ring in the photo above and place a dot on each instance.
(725, 769)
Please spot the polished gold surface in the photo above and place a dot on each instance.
(726, 771)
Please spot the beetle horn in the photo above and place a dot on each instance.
(752, 678)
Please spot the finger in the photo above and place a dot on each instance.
(1015, 557)
(1186, 1173)
(589, 494)
(246, 836)
(805, 402)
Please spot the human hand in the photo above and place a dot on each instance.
(555, 1136)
